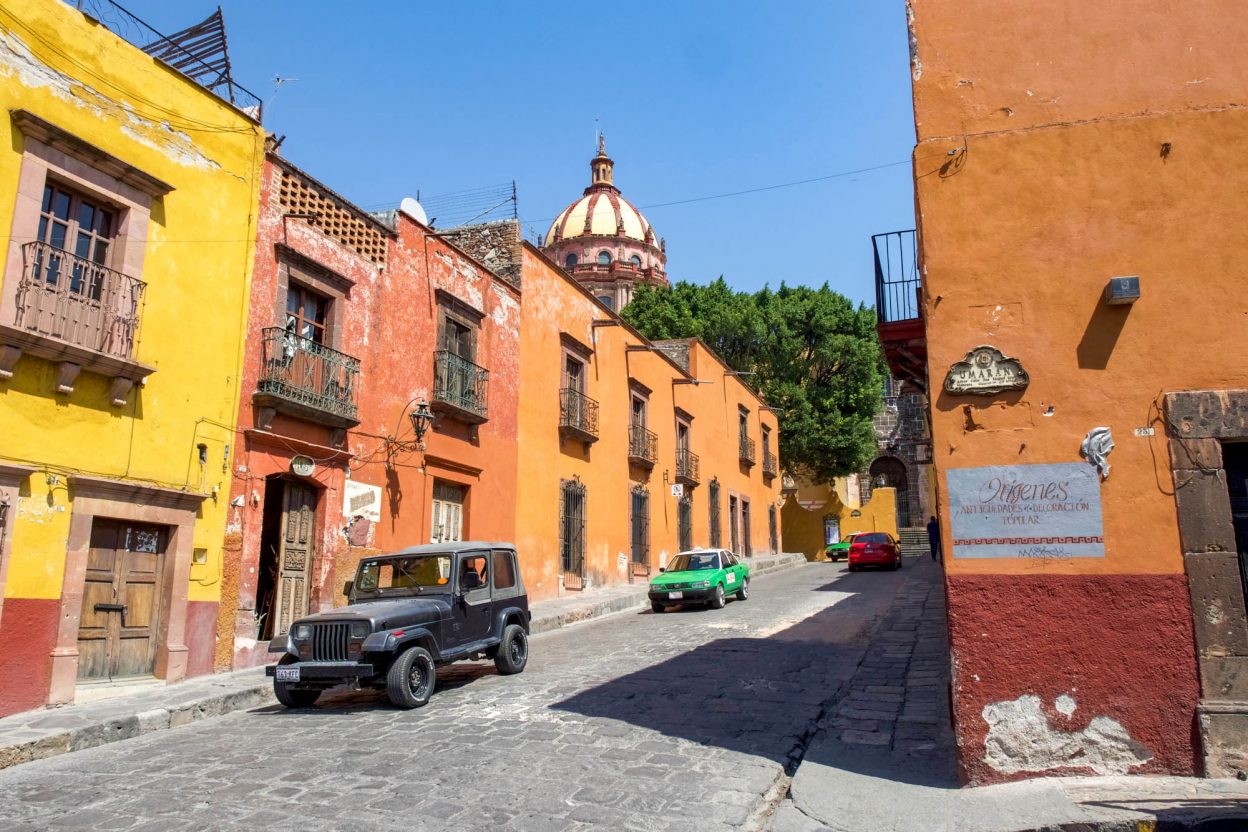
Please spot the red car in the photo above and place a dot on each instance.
(874, 549)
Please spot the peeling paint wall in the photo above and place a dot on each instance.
(193, 249)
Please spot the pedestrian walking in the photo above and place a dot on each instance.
(933, 537)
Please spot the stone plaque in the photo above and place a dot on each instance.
(985, 372)
(1046, 512)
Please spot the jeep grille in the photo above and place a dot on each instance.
(329, 642)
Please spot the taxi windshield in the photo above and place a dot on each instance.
(693, 562)
(404, 575)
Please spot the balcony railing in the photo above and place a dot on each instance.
(897, 281)
(643, 445)
(771, 465)
(308, 379)
(460, 386)
(578, 415)
(78, 301)
(747, 450)
(687, 465)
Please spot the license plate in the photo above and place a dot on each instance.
(675, 595)
(286, 674)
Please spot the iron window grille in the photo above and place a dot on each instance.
(684, 523)
(639, 520)
(773, 529)
(713, 497)
(572, 526)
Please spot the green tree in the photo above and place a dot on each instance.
(812, 354)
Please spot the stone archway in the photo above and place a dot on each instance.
(890, 472)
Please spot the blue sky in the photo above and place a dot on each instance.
(695, 98)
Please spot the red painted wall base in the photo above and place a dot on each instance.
(27, 636)
(1115, 646)
(201, 637)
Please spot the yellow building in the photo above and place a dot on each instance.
(128, 192)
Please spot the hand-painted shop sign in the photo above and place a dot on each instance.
(359, 499)
(1046, 512)
(985, 372)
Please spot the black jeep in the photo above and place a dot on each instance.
(407, 613)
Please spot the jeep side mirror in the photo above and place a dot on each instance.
(347, 587)
(470, 581)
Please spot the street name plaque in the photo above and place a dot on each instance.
(1043, 512)
(985, 372)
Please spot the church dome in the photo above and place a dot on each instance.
(603, 213)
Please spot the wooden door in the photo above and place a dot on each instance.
(294, 556)
(121, 600)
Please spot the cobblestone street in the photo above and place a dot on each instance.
(684, 720)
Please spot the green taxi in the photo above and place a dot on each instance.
(839, 550)
(700, 576)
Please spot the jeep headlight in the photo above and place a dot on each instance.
(303, 632)
(360, 629)
(700, 584)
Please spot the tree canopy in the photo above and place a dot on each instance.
(814, 357)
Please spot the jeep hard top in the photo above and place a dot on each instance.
(406, 614)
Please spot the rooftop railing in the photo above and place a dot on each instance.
(897, 279)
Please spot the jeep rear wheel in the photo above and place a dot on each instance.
(513, 650)
(411, 678)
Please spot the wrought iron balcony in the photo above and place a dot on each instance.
(78, 301)
(747, 450)
(687, 465)
(771, 465)
(459, 387)
(643, 446)
(306, 379)
(578, 415)
(899, 307)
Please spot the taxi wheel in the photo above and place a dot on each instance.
(744, 591)
(655, 606)
(717, 603)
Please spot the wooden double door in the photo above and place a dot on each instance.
(121, 599)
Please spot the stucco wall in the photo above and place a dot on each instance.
(197, 255)
(1060, 147)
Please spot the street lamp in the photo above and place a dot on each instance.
(421, 417)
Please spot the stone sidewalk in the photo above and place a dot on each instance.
(882, 759)
(37, 735)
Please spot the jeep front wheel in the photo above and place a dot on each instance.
(513, 650)
(411, 678)
(294, 697)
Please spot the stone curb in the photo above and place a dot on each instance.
(260, 694)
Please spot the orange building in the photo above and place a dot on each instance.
(632, 450)
(1079, 193)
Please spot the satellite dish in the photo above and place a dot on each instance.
(412, 208)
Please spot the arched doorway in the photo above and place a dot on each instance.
(890, 472)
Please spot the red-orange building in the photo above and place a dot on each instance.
(357, 323)
(1078, 181)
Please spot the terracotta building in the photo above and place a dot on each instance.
(363, 331)
(1077, 199)
(604, 242)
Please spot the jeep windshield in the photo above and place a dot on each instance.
(399, 576)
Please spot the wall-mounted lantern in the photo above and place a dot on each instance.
(421, 418)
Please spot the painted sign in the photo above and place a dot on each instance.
(359, 499)
(985, 372)
(1048, 512)
(678, 489)
(302, 465)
